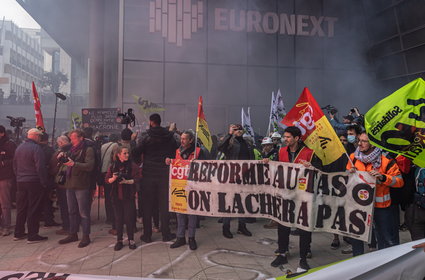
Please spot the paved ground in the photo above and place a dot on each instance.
(216, 258)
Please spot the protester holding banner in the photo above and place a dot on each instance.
(187, 152)
(272, 153)
(153, 148)
(369, 158)
(235, 147)
(121, 175)
(295, 152)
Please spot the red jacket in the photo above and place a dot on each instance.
(303, 154)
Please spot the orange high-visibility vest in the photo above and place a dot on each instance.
(191, 156)
(390, 169)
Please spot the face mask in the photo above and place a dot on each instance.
(351, 138)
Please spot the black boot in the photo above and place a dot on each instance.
(118, 246)
(192, 243)
(280, 259)
(85, 241)
(70, 238)
(226, 232)
(180, 241)
(243, 230)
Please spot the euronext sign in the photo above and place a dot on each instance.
(270, 23)
(178, 19)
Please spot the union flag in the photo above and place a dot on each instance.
(317, 133)
(37, 108)
(202, 129)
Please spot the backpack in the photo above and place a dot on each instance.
(96, 174)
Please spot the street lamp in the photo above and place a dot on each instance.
(61, 97)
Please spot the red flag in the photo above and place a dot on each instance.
(317, 132)
(37, 108)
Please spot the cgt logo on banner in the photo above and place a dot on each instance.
(288, 193)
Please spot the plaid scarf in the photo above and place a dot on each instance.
(374, 157)
(75, 153)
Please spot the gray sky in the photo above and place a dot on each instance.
(11, 10)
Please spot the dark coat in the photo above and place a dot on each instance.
(230, 147)
(29, 163)
(81, 173)
(7, 152)
(153, 148)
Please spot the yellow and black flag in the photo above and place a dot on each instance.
(397, 122)
(202, 129)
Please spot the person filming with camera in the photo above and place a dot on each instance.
(79, 162)
(122, 175)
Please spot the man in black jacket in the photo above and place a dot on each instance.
(7, 151)
(31, 176)
(235, 147)
(153, 148)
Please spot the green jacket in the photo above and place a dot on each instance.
(81, 172)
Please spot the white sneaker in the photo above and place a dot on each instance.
(347, 250)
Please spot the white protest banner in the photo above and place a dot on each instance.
(288, 193)
(397, 262)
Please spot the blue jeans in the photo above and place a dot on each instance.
(79, 210)
(385, 226)
(181, 225)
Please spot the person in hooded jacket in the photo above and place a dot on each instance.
(153, 148)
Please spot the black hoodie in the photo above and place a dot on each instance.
(154, 146)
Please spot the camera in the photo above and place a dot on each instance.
(330, 109)
(63, 159)
(120, 176)
(128, 118)
(16, 122)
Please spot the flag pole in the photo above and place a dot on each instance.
(196, 130)
(270, 116)
(352, 164)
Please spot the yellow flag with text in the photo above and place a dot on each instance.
(202, 129)
(397, 122)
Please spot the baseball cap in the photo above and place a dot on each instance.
(35, 131)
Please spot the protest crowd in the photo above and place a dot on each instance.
(132, 171)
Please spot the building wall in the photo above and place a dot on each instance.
(22, 60)
(235, 53)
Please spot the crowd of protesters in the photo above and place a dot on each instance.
(133, 171)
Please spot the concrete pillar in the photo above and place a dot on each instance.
(96, 50)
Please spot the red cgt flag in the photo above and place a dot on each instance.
(317, 132)
(37, 108)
